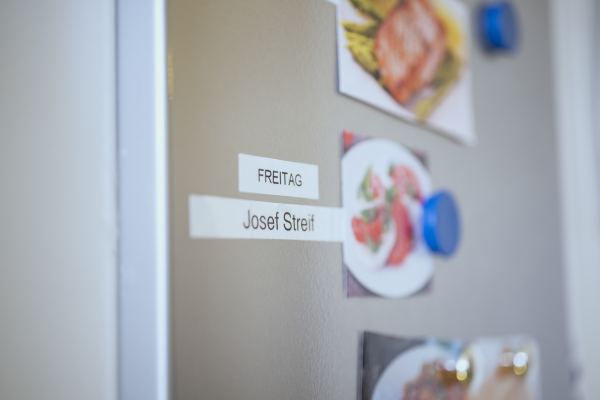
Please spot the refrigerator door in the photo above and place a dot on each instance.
(269, 319)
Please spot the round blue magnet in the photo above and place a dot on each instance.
(441, 223)
(499, 26)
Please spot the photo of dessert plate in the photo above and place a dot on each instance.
(406, 368)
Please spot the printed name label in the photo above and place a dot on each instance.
(227, 218)
(277, 177)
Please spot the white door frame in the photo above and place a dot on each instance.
(575, 50)
(142, 200)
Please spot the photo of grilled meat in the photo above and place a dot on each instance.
(410, 46)
(413, 49)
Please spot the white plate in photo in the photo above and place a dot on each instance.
(405, 368)
(369, 267)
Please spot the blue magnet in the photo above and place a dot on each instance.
(441, 223)
(499, 27)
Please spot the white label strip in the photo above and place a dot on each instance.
(227, 218)
(277, 177)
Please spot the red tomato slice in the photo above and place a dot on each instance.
(370, 231)
(404, 234)
(359, 228)
(348, 139)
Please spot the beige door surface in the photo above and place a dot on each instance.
(268, 319)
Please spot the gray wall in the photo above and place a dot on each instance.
(268, 320)
(57, 213)
(576, 36)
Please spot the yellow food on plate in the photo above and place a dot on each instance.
(377, 9)
(455, 38)
(361, 48)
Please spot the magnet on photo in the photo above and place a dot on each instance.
(441, 224)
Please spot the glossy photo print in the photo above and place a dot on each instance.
(503, 368)
(409, 58)
(384, 187)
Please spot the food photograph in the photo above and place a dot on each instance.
(384, 186)
(502, 368)
(410, 59)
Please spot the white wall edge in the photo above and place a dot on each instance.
(143, 200)
(574, 41)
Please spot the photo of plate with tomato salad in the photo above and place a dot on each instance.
(409, 58)
(384, 186)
